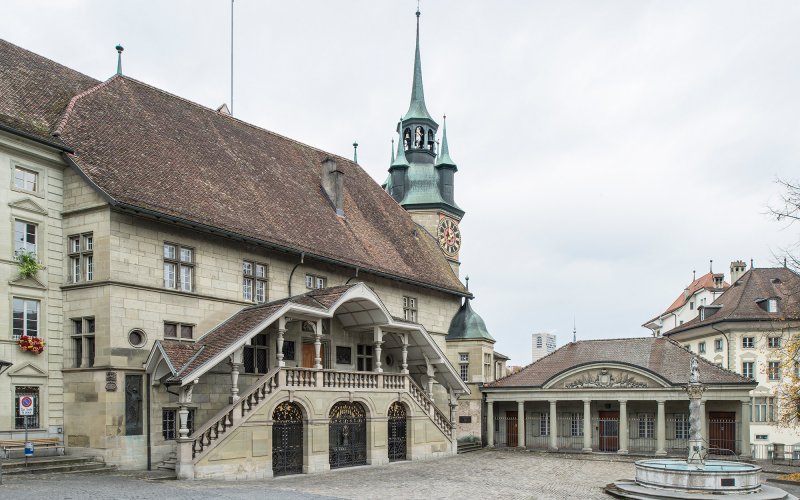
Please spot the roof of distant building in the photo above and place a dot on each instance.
(156, 153)
(743, 301)
(658, 355)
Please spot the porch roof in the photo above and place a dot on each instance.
(356, 305)
(658, 355)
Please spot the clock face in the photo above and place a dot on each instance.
(449, 236)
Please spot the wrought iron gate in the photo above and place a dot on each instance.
(397, 432)
(347, 435)
(287, 439)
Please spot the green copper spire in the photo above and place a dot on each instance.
(119, 59)
(444, 151)
(355, 152)
(417, 109)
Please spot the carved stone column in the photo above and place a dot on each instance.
(281, 333)
(378, 363)
(404, 355)
(520, 424)
(696, 423)
(184, 399)
(236, 368)
(318, 345)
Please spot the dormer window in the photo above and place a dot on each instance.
(772, 305)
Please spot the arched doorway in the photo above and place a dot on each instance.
(397, 432)
(287, 439)
(347, 435)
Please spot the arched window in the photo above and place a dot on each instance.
(419, 138)
(287, 439)
(407, 139)
(431, 139)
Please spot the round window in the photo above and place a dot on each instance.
(389, 360)
(137, 338)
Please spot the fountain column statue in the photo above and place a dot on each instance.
(695, 390)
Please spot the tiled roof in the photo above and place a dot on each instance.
(190, 356)
(151, 150)
(741, 302)
(34, 91)
(659, 355)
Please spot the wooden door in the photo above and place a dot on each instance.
(609, 430)
(511, 429)
(308, 355)
(722, 432)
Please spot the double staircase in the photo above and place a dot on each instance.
(207, 437)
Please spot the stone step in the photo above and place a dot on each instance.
(90, 466)
(468, 447)
(46, 461)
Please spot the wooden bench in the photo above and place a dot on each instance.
(9, 445)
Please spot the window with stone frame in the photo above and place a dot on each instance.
(463, 360)
(33, 420)
(174, 330)
(81, 257)
(748, 342)
(717, 345)
(26, 179)
(774, 370)
(748, 369)
(410, 309)
(83, 343)
(256, 355)
(647, 425)
(576, 424)
(314, 282)
(774, 342)
(25, 237)
(170, 423)
(178, 267)
(701, 348)
(254, 281)
(763, 409)
(364, 358)
(487, 366)
(25, 317)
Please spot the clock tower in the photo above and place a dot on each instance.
(422, 174)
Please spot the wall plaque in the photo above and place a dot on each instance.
(111, 381)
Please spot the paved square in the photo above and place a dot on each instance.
(483, 474)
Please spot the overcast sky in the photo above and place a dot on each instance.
(605, 149)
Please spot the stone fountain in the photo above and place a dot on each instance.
(696, 477)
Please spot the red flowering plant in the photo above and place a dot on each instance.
(31, 344)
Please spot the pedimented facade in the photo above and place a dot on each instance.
(623, 396)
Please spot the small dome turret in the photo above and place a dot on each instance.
(468, 325)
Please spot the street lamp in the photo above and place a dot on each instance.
(4, 365)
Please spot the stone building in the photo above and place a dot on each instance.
(745, 330)
(623, 396)
(223, 298)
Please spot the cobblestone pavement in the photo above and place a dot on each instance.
(483, 474)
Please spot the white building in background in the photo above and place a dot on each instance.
(700, 292)
(542, 345)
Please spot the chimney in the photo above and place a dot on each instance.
(333, 184)
(738, 268)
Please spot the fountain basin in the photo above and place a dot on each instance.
(719, 476)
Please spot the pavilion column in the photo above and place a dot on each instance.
(587, 426)
(520, 424)
(184, 468)
(281, 333)
(623, 427)
(661, 429)
(489, 423)
(553, 426)
(745, 429)
(318, 345)
(236, 368)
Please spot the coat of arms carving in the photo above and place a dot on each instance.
(605, 380)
